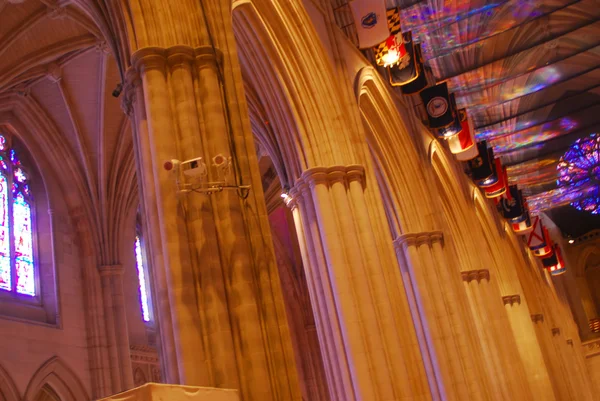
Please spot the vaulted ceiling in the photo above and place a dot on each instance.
(528, 72)
(56, 78)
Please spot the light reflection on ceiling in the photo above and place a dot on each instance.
(528, 73)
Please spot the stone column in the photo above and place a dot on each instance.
(117, 336)
(220, 309)
(440, 302)
(496, 336)
(366, 345)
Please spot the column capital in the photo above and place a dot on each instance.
(149, 58)
(110, 270)
(537, 318)
(417, 239)
(328, 175)
(512, 299)
(179, 55)
(132, 82)
(477, 275)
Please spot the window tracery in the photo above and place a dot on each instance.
(141, 269)
(17, 268)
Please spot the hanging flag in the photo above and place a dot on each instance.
(436, 100)
(454, 128)
(499, 188)
(420, 81)
(554, 262)
(371, 22)
(536, 239)
(523, 227)
(463, 144)
(482, 168)
(512, 206)
(392, 50)
(547, 248)
(406, 71)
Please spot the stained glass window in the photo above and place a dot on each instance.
(142, 279)
(17, 271)
(579, 172)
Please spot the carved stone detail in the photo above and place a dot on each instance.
(417, 239)
(475, 275)
(512, 299)
(537, 318)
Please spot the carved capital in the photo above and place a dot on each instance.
(205, 56)
(512, 299)
(149, 58)
(110, 270)
(417, 239)
(180, 55)
(537, 318)
(330, 175)
(130, 87)
(475, 275)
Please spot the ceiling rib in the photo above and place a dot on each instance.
(464, 46)
(523, 52)
(562, 81)
(539, 107)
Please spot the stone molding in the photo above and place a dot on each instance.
(512, 299)
(591, 348)
(477, 275)
(537, 318)
(111, 270)
(418, 239)
(143, 353)
(325, 176)
(159, 58)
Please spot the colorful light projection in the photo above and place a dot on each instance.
(142, 280)
(534, 135)
(580, 168)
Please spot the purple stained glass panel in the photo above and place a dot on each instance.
(142, 280)
(13, 157)
(5, 274)
(20, 175)
(2, 142)
(23, 245)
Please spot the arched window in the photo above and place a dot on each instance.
(143, 283)
(17, 273)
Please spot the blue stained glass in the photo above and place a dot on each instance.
(23, 246)
(13, 157)
(579, 169)
(5, 276)
(142, 280)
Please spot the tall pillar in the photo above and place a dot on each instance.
(496, 336)
(219, 302)
(369, 351)
(440, 302)
(117, 336)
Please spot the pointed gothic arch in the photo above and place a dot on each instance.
(8, 389)
(57, 376)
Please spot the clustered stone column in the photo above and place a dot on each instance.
(217, 292)
(369, 350)
(117, 336)
(441, 310)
